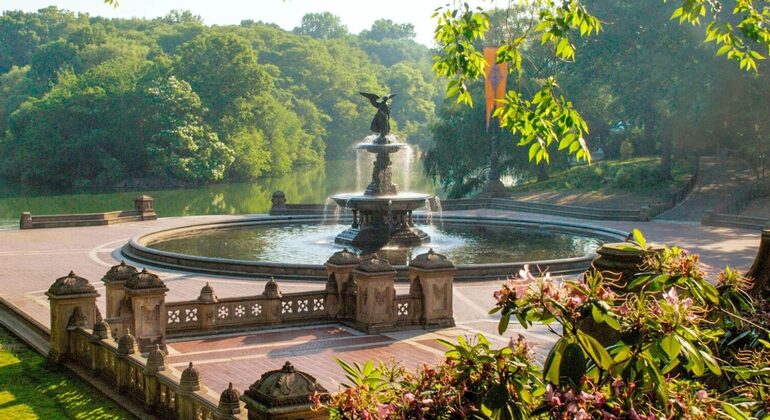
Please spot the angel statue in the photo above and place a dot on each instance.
(381, 121)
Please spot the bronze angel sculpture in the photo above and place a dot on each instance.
(381, 120)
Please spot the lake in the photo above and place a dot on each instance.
(303, 185)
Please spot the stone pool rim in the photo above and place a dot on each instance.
(137, 251)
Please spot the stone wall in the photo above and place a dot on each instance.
(143, 210)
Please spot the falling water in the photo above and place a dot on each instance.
(406, 165)
(429, 213)
(439, 210)
(331, 208)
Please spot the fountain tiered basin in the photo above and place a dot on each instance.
(382, 217)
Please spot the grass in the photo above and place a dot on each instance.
(31, 388)
(635, 175)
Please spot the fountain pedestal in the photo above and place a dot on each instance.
(382, 216)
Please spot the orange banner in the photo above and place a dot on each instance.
(494, 84)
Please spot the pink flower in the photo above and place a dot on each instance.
(384, 410)
(409, 397)
(582, 415)
(671, 296)
(701, 395)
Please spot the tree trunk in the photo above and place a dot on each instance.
(760, 270)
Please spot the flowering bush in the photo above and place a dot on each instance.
(669, 344)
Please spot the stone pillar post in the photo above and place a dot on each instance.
(115, 295)
(340, 268)
(207, 299)
(278, 203)
(272, 302)
(126, 347)
(144, 205)
(376, 294)
(620, 261)
(147, 294)
(73, 301)
(435, 274)
(230, 405)
(284, 394)
(156, 362)
(25, 222)
(100, 332)
(190, 382)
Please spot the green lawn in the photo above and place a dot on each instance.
(30, 388)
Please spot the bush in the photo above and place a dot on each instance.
(682, 348)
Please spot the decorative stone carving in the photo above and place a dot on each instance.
(284, 394)
(146, 296)
(207, 295)
(431, 261)
(71, 284)
(431, 275)
(144, 280)
(77, 319)
(374, 264)
(156, 360)
(620, 261)
(344, 257)
(375, 306)
(73, 304)
(127, 344)
(191, 380)
(101, 329)
(271, 289)
(278, 200)
(229, 401)
(119, 273)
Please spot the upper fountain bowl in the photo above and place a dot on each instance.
(382, 148)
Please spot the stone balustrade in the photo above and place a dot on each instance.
(127, 348)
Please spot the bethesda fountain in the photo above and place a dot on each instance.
(381, 215)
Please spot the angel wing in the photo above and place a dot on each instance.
(372, 97)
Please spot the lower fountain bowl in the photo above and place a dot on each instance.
(400, 202)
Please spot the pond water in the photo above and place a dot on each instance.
(303, 185)
(314, 243)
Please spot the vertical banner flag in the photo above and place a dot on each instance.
(494, 84)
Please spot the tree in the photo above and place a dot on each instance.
(387, 29)
(321, 25)
(547, 117)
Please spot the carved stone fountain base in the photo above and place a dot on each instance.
(380, 221)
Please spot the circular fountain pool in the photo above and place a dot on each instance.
(297, 247)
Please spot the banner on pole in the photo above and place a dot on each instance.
(494, 83)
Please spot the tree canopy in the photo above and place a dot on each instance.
(89, 102)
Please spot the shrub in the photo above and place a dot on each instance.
(682, 348)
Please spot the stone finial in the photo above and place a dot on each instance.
(191, 380)
(119, 273)
(101, 330)
(284, 387)
(374, 264)
(431, 261)
(144, 280)
(71, 284)
(144, 202)
(207, 295)
(156, 360)
(230, 401)
(127, 344)
(278, 200)
(271, 289)
(344, 257)
(77, 319)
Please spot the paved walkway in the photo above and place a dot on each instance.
(720, 178)
(31, 260)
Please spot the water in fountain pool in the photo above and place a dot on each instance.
(314, 243)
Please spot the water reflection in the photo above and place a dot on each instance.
(303, 185)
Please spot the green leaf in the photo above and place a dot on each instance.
(639, 238)
(573, 365)
(503, 324)
(671, 346)
(595, 350)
